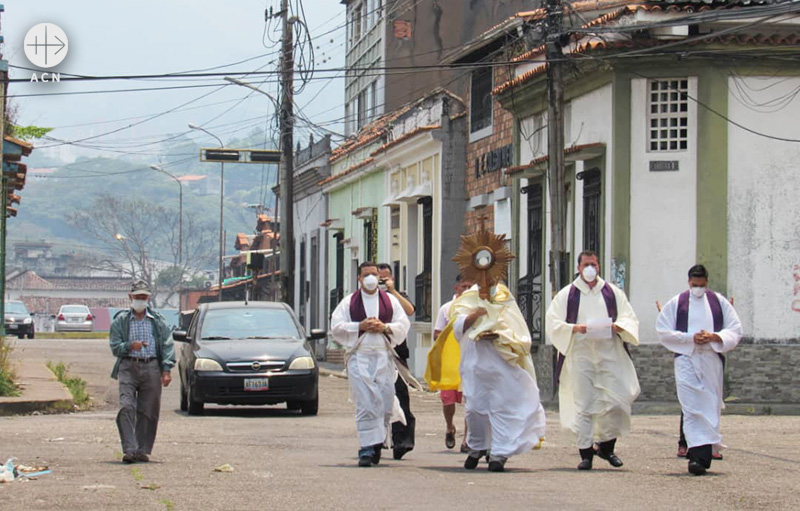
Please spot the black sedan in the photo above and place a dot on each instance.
(18, 320)
(247, 353)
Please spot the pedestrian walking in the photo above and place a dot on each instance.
(449, 381)
(403, 434)
(590, 322)
(142, 343)
(369, 323)
(699, 325)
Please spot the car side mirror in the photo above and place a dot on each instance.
(317, 333)
(180, 336)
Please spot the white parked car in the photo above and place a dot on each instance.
(74, 318)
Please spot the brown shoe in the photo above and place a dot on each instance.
(141, 458)
(128, 458)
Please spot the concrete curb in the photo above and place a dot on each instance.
(41, 392)
(324, 371)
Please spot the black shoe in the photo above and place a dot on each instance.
(365, 461)
(399, 452)
(497, 466)
(141, 458)
(376, 455)
(696, 468)
(585, 464)
(611, 458)
(471, 463)
(128, 458)
(450, 439)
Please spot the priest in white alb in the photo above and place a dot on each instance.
(369, 323)
(503, 413)
(590, 322)
(699, 325)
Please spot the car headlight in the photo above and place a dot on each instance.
(206, 364)
(27, 321)
(302, 363)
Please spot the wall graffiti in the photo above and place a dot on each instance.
(619, 272)
(796, 275)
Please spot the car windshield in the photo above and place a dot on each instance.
(74, 309)
(16, 308)
(248, 323)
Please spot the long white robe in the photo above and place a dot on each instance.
(371, 370)
(698, 369)
(502, 406)
(598, 382)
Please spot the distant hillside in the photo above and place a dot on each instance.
(50, 197)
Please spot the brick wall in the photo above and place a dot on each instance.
(502, 135)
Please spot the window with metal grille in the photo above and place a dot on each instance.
(668, 115)
(480, 114)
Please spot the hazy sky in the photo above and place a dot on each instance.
(162, 36)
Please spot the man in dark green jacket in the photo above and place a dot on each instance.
(142, 343)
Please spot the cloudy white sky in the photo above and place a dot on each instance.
(165, 36)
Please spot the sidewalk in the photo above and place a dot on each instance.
(40, 391)
(329, 369)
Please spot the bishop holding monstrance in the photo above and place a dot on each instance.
(503, 413)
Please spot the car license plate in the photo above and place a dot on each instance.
(12, 326)
(255, 384)
(74, 320)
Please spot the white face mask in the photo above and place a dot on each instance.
(589, 273)
(698, 292)
(370, 282)
(139, 305)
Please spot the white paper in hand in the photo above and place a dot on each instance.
(597, 329)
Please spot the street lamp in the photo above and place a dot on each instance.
(243, 83)
(180, 228)
(221, 204)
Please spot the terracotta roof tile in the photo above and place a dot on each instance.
(380, 127)
(347, 171)
(403, 138)
(242, 241)
(632, 7)
(541, 159)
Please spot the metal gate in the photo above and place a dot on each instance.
(529, 287)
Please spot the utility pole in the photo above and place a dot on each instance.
(555, 145)
(4, 210)
(287, 158)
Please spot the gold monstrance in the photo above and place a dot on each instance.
(483, 258)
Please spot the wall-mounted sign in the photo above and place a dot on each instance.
(494, 160)
(664, 166)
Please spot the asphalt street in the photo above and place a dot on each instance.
(282, 461)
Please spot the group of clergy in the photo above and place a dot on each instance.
(590, 322)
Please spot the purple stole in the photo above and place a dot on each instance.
(682, 317)
(358, 313)
(574, 303)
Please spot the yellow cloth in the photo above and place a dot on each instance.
(504, 319)
(444, 359)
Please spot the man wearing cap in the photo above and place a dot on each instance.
(142, 343)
